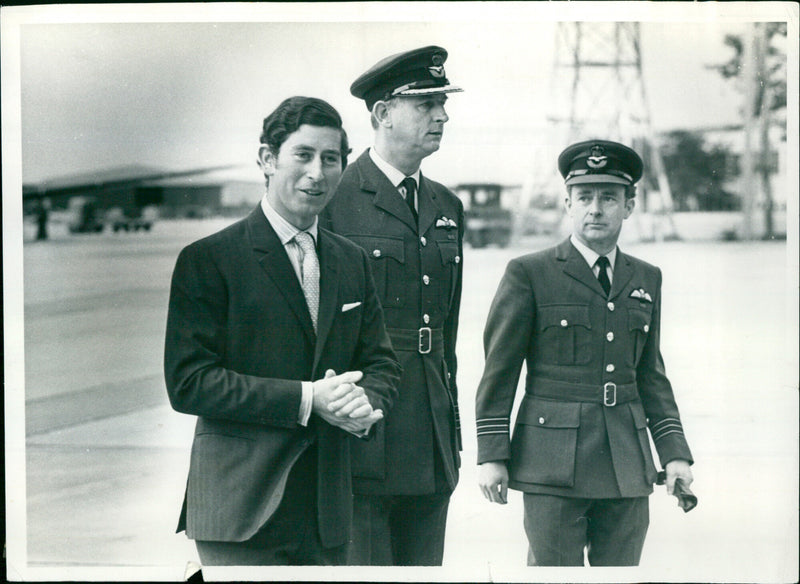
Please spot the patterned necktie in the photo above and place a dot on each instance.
(603, 263)
(410, 185)
(309, 269)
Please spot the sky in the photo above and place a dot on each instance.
(110, 87)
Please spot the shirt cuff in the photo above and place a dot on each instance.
(359, 434)
(306, 401)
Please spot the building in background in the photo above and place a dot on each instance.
(132, 198)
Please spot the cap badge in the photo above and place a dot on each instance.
(597, 158)
(437, 72)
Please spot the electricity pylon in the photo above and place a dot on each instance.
(598, 92)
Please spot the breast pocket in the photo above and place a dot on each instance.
(545, 441)
(565, 334)
(639, 327)
(388, 260)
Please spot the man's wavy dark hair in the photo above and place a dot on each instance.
(295, 111)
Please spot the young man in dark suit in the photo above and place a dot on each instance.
(586, 319)
(411, 227)
(276, 342)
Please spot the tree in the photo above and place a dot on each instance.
(770, 94)
(758, 66)
(697, 173)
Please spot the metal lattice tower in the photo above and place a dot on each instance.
(598, 92)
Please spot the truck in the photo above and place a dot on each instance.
(86, 216)
(487, 222)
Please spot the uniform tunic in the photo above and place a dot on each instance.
(595, 378)
(418, 274)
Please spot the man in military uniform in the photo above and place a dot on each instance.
(586, 318)
(412, 228)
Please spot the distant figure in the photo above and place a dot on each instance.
(586, 320)
(411, 227)
(276, 342)
(42, 211)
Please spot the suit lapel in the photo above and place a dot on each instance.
(387, 196)
(575, 266)
(329, 291)
(272, 257)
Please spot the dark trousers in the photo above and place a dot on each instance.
(398, 530)
(560, 528)
(290, 537)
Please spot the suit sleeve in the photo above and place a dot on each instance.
(506, 340)
(197, 381)
(657, 395)
(374, 355)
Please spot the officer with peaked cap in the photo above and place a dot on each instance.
(412, 228)
(586, 320)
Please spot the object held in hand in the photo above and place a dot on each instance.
(686, 499)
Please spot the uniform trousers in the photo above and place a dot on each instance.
(559, 529)
(401, 530)
(398, 530)
(290, 537)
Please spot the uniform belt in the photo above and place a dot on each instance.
(424, 340)
(609, 394)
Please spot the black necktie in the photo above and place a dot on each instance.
(410, 185)
(603, 263)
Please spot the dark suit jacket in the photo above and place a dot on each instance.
(550, 312)
(418, 273)
(239, 341)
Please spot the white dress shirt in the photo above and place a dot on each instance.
(286, 233)
(591, 257)
(395, 176)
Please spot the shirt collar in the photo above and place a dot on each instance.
(590, 255)
(285, 230)
(394, 175)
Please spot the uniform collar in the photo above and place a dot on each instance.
(395, 176)
(590, 255)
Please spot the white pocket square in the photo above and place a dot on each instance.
(350, 306)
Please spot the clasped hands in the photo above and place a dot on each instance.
(342, 403)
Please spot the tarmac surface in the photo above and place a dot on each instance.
(106, 458)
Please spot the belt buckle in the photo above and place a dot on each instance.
(610, 388)
(424, 343)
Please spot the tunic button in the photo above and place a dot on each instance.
(423, 241)
(647, 328)
(457, 259)
(376, 253)
(541, 420)
(426, 280)
(610, 336)
(610, 367)
(426, 319)
(611, 306)
(564, 322)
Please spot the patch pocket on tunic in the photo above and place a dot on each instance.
(640, 422)
(545, 441)
(639, 326)
(388, 260)
(565, 333)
